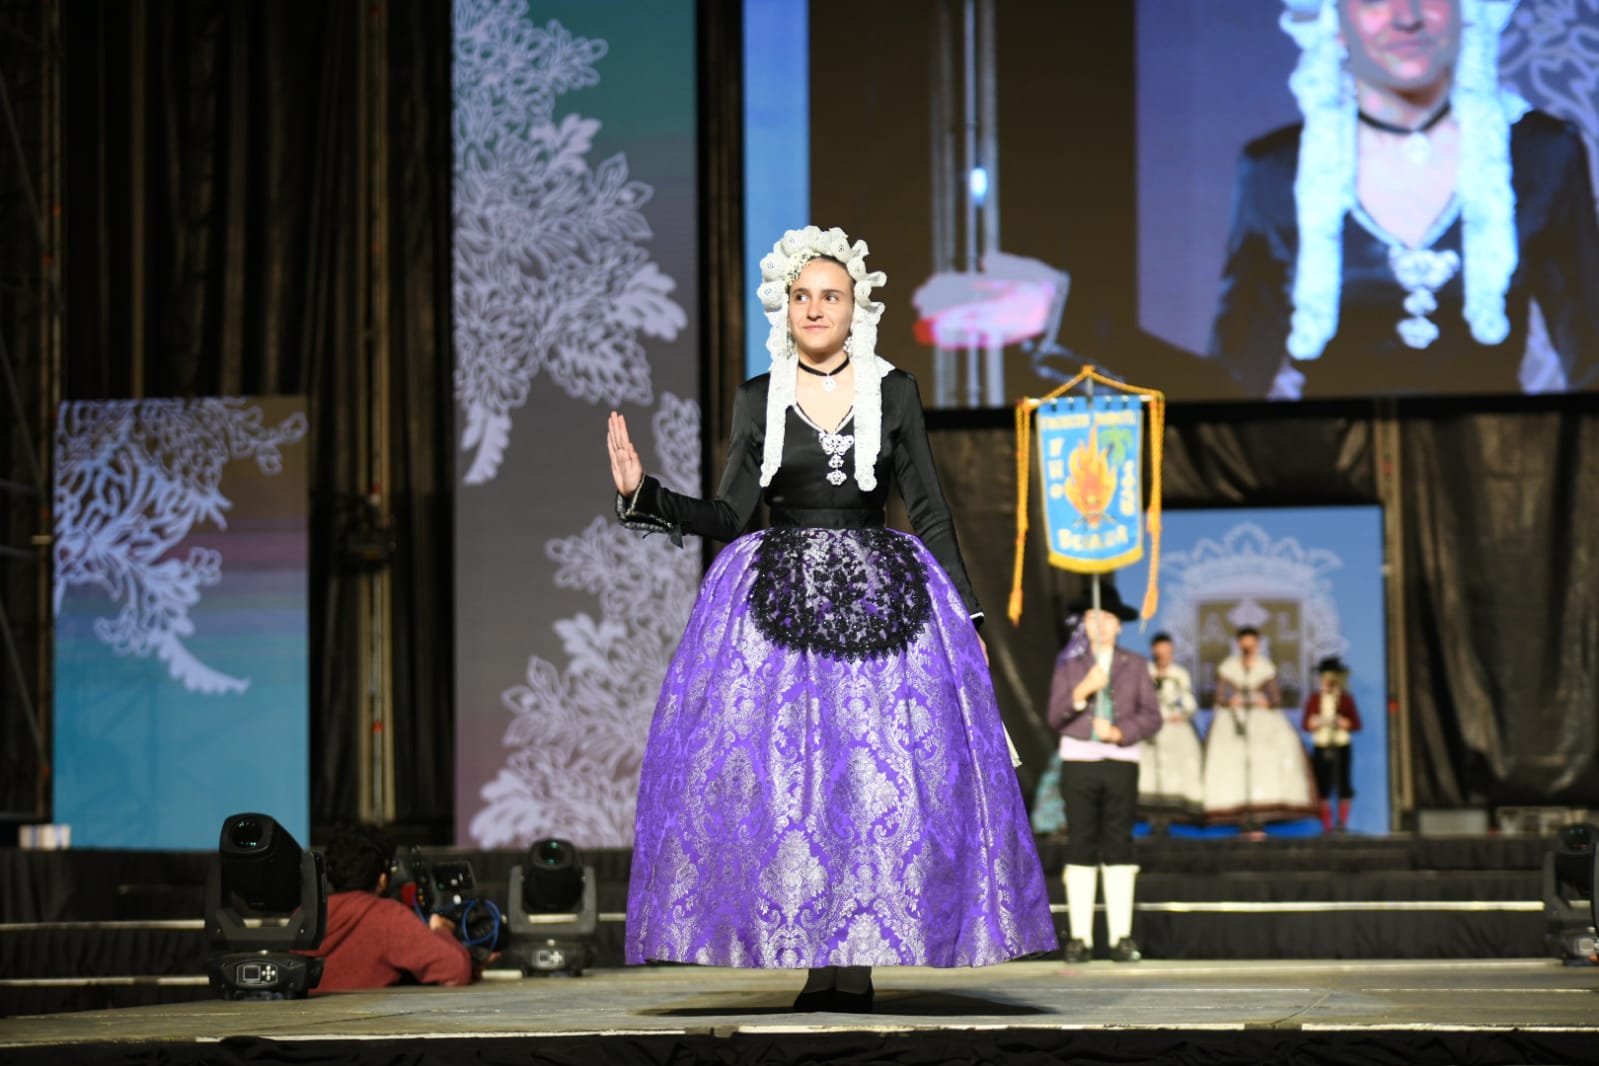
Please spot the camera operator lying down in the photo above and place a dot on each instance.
(373, 941)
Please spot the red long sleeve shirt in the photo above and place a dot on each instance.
(373, 942)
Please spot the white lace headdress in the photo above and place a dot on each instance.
(1324, 188)
(778, 271)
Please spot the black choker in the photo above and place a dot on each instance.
(828, 384)
(1389, 127)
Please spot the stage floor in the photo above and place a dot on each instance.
(1494, 1010)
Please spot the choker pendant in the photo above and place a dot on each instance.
(1417, 149)
(828, 381)
(1416, 146)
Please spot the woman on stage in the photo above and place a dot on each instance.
(1256, 769)
(826, 784)
(1171, 768)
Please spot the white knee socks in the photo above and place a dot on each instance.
(1119, 881)
(1082, 884)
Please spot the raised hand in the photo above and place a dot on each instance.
(626, 468)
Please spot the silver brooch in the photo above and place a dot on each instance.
(834, 446)
(1422, 272)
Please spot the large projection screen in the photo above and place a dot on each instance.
(1137, 186)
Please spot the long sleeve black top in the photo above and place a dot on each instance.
(801, 495)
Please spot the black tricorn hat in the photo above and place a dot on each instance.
(1110, 601)
(1332, 665)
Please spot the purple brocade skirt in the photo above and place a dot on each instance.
(826, 780)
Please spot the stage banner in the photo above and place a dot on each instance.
(181, 655)
(575, 272)
(1090, 462)
(1090, 472)
(1311, 581)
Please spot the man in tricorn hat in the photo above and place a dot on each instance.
(1099, 748)
(1330, 718)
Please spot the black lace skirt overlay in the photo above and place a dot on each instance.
(850, 593)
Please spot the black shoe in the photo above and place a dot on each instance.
(1077, 951)
(852, 1002)
(819, 1000)
(1126, 950)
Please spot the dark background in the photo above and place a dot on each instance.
(210, 236)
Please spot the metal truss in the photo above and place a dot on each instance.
(30, 358)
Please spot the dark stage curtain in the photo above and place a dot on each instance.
(1259, 456)
(1502, 604)
(216, 178)
(1500, 570)
(719, 25)
(25, 328)
(1023, 1044)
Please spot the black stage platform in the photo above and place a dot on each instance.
(1409, 1013)
(123, 918)
(1431, 948)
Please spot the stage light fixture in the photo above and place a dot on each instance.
(265, 898)
(1571, 913)
(553, 910)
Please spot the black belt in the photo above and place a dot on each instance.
(827, 518)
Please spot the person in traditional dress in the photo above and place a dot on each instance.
(827, 785)
(1331, 718)
(1395, 241)
(1256, 770)
(1103, 705)
(1171, 775)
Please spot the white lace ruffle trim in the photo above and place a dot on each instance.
(778, 271)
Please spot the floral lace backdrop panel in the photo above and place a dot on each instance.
(575, 250)
(181, 566)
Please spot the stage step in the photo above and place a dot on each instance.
(95, 929)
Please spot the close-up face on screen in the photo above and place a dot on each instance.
(1256, 199)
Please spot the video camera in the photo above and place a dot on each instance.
(448, 889)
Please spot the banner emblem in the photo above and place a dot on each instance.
(1090, 454)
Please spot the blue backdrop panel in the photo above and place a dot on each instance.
(181, 660)
(1311, 580)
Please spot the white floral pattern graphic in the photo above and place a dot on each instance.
(1549, 54)
(549, 273)
(1248, 564)
(133, 478)
(576, 737)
